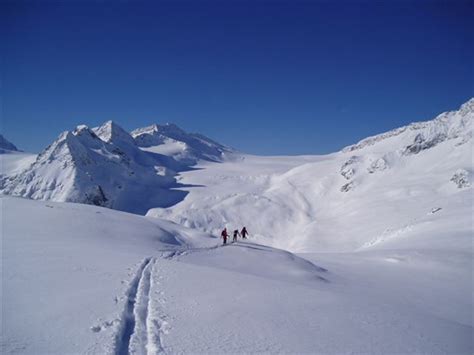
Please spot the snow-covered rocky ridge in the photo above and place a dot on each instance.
(419, 136)
(188, 148)
(107, 166)
(370, 195)
(103, 167)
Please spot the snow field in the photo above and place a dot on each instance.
(382, 230)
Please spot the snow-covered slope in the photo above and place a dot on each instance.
(15, 162)
(65, 272)
(112, 172)
(419, 136)
(187, 148)
(89, 280)
(378, 189)
(386, 188)
(396, 209)
(6, 146)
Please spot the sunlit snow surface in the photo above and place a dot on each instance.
(375, 251)
(382, 189)
(85, 279)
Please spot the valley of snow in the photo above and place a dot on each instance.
(367, 250)
(406, 184)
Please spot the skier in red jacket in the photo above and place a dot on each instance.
(224, 235)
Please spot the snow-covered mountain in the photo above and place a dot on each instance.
(321, 201)
(187, 148)
(395, 208)
(419, 136)
(6, 146)
(104, 168)
(409, 181)
(111, 132)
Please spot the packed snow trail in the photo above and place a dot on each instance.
(132, 331)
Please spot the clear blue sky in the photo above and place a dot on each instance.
(266, 77)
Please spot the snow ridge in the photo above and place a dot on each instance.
(111, 132)
(188, 148)
(446, 126)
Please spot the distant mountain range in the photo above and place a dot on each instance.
(106, 166)
(136, 171)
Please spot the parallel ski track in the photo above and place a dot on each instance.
(142, 325)
(132, 336)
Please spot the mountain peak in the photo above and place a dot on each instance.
(188, 148)
(101, 167)
(111, 132)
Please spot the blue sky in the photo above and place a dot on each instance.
(266, 77)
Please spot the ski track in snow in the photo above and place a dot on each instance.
(142, 324)
(139, 331)
(143, 321)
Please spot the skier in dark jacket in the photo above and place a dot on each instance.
(236, 234)
(244, 233)
(224, 235)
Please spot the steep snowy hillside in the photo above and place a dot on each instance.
(112, 172)
(419, 136)
(15, 162)
(187, 148)
(6, 146)
(409, 181)
(80, 279)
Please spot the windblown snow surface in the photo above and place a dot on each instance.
(367, 250)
